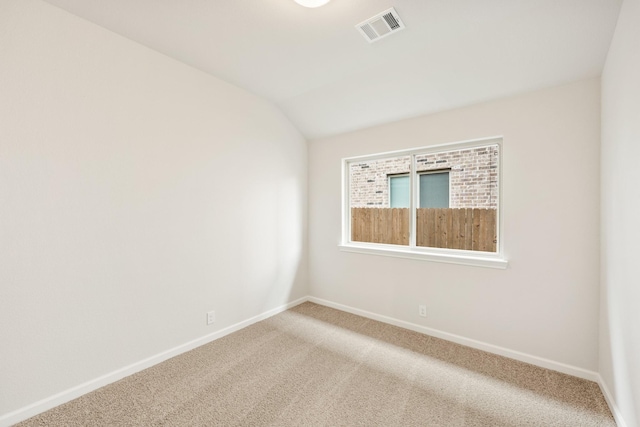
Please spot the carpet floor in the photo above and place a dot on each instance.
(316, 366)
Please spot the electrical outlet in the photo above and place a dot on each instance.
(422, 310)
(211, 317)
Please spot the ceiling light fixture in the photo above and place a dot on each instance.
(312, 3)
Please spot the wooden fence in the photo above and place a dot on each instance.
(468, 229)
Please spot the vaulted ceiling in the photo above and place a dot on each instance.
(328, 79)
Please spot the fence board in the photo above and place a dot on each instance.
(484, 227)
(436, 229)
(458, 220)
(475, 231)
(428, 236)
(449, 234)
(467, 229)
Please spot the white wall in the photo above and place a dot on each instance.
(546, 303)
(620, 297)
(136, 194)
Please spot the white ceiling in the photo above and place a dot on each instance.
(327, 79)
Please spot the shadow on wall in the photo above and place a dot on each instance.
(272, 238)
(624, 370)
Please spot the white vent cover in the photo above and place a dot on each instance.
(380, 26)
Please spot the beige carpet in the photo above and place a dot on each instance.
(315, 366)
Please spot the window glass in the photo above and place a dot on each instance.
(400, 191)
(434, 190)
(379, 200)
(456, 194)
(458, 209)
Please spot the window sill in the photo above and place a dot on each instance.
(466, 258)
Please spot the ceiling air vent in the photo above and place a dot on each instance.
(380, 26)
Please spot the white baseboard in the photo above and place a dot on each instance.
(617, 415)
(89, 386)
(512, 354)
(523, 357)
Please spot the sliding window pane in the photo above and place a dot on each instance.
(379, 195)
(458, 199)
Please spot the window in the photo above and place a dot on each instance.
(400, 191)
(434, 190)
(438, 203)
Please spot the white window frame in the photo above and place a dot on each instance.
(456, 256)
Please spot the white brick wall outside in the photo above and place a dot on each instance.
(473, 177)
